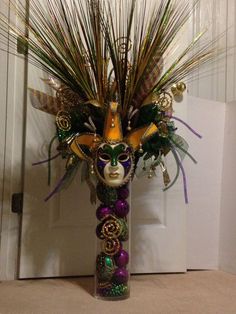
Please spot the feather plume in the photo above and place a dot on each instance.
(104, 50)
(99, 51)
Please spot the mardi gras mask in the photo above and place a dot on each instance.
(114, 163)
(112, 156)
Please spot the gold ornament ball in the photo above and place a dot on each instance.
(175, 91)
(181, 86)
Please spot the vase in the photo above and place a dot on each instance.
(112, 277)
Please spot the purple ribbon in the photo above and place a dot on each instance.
(56, 189)
(184, 123)
(183, 174)
(46, 160)
(185, 183)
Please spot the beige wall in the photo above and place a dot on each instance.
(227, 259)
(217, 81)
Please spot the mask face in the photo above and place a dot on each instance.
(114, 164)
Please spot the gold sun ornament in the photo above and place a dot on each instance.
(114, 83)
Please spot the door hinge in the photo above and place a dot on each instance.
(17, 203)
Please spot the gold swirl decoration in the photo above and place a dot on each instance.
(111, 246)
(165, 101)
(63, 120)
(111, 228)
(123, 45)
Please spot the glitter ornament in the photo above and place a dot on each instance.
(124, 230)
(114, 290)
(111, 246)
(104, 267)
(111, 227)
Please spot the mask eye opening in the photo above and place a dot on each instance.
(104, 157)
(123, 157)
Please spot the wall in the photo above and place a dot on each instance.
(204, 181)
(227, 257)
(216, 81)
(3, 101)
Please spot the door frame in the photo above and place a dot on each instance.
(13, 152)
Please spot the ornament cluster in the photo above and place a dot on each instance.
(112, 231)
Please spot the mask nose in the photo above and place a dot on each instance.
(113, 168)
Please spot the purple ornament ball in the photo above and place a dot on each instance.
(121, 208)
(121, 275)
(122, 258)
(103, 211)
(123, 193)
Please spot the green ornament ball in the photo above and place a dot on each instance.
(106, 194)
(105, 267)
(125, 230)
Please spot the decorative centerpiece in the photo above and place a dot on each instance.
(114, 79)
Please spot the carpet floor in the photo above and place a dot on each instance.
(197, 292)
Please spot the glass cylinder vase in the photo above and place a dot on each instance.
(112, 276)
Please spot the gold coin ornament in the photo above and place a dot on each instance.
(63, 121)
